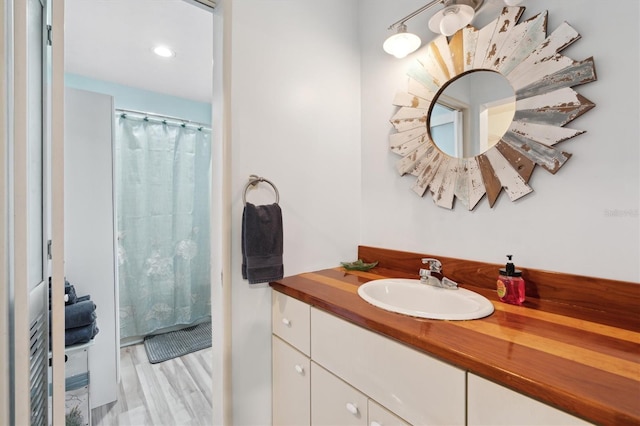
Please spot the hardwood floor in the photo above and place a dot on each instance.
(174, 393)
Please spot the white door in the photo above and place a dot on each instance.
(447, 131)
(26, 74)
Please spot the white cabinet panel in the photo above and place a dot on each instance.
(291, 385)
(290, 321)
(334, 402)
(89, 235)
(379, 416)
(495, 405)
(417, 387)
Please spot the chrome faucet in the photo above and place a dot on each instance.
(433, 274)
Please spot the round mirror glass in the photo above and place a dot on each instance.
(472, 113)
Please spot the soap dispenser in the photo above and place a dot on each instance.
(510, 284)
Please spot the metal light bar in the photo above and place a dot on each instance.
(417, 12)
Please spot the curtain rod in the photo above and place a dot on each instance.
(162, 117)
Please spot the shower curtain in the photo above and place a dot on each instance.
(162, 181)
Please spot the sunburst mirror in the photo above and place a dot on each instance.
(541, 80)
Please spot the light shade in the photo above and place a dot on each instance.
(451, 19)
(512, 2)
(402, 43)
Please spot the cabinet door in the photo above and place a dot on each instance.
(334, 402)
(417, 387)
(291, 385)
(492, 404)
(380, 416)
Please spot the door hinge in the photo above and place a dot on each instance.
(49, 249)
(49, 42)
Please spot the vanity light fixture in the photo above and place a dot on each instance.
(456, 15)
(164, 52)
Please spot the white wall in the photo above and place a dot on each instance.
(583, 220)
(296, 121)
(128, 97)
(311, 96)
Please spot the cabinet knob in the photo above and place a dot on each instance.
(352, 408)
(299, 369)
(286, 322)
(375, 424)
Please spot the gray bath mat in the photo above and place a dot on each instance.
(163, 347)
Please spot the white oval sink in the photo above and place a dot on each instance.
(411, 297)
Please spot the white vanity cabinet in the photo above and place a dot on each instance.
(291, 383)
(493, 404)
(327, 371)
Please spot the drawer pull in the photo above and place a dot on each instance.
(375, 424)
(299, 369)
(286, 322)
(352, 408)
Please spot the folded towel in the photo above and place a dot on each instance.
(77, 335)
(262, 243)
(79, 314)
(70, 291)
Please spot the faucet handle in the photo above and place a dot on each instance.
(434, 264)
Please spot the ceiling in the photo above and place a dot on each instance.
(111, 40)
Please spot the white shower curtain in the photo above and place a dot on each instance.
(163, 181)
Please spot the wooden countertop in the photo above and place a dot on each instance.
(578, 363)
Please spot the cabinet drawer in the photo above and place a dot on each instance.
(291, 385)
(334, 402)
(291, 321)
(419, 388)
(379, 416)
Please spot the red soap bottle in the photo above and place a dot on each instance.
(511, 284)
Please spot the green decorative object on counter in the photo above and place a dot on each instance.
(358, 265)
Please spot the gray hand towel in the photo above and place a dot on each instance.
(262, 243)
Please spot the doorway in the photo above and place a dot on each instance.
(94, 43)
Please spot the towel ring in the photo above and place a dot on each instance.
(253, 181)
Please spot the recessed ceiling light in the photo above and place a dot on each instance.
(164, 52)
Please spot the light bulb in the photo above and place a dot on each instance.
(164, 51)
(401, 44)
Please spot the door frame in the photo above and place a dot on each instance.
(222, 403)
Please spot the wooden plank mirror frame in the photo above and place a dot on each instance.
(542, 80)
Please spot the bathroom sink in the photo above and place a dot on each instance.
(413, 298)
